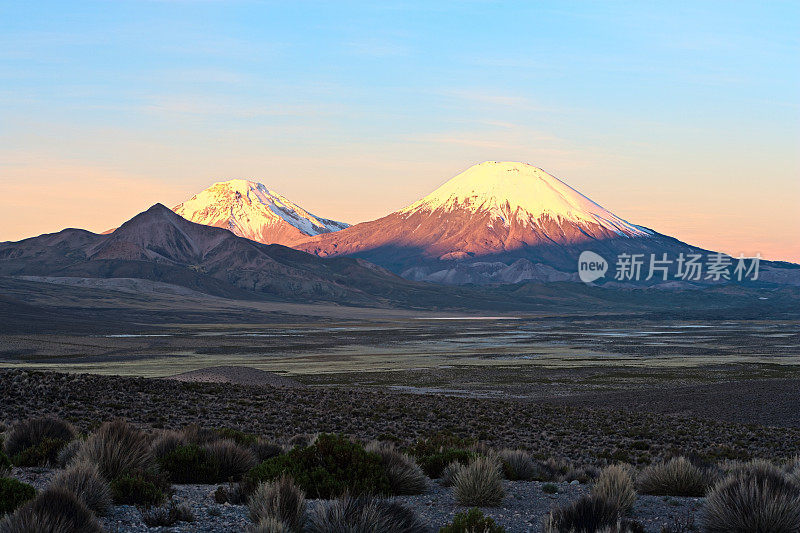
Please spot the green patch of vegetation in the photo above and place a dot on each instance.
(240, 437)
(189, 463)
(472, 520)
(549, 488)
(139, 488)
(328, 468)
(14, 493)
(40, 454)
(436, 452)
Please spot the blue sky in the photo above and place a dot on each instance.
(682, 116)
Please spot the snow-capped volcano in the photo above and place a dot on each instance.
(518, 193)
(487, 218)
(253, 211)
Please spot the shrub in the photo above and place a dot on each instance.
(449, 474)
(233, 494)
(266, 450)
(29, 433)
(676, 477)
(190, 463)
(195, 434)
(587, 514)
(549, 488)
(330, 467)
(269, 525)
(167, 516)
(756, 498)
(52, 511)
(479, 483)
(472, 521)
(231, 460)
(165, 442)
(405, 476)
(553, 470)
(68, 452)
(5, 464)
(239, 437)
(615, 484)
(14, 493)
(84, 480)
(364, 514)
(281, 500)
(117, 448)
(138, 489)
(518, 465)
(435, 453)
(45, 452)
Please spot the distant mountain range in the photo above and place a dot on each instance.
(496, 223)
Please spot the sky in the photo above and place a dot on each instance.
(680, 116)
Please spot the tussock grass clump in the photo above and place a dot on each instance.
(364, 514)
(588, 514)
(405, 475)
(449, 474)
(165, 442)
(195, 434)
(281, 500)
(472, 521)
(232, 460)
(266, 450)
(676, 477)
(518, 465)
(615, 485)
(14, 493)
(37, 441)
(5, 464)
(758, 497)
(167, 516)
(84, 480)
(117, 448)
(52, 511)
(239, 437)
(330, 467)
(479, 483)
(68, 452)
(269, 525)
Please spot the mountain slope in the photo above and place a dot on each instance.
(494, 213)
(161, 246)
(251, 210)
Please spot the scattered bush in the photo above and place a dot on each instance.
(587, 514)
(615, 484)
(330, 467)
(84, 480)
(5, 464)
(756, 498)
(449, 473)
(519, 466)
(33, 432)
(435, 453)
(239, 437)
(117, 448)
(232, 460)
(364, 514)
(472, 521)
(165, 442)
(138, 489)
(479, 483)
(269, 525)
(52, 511)
(190, 463)
(167, 516)
(405, 476)
(553, 470)
(281, 500)
(266, 450)
(676, 477)
(14, 493)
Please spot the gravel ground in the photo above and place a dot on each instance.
(523, 509)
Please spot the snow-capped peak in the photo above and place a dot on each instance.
(251, 210)
(520, 192)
